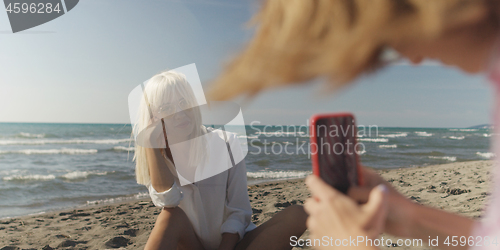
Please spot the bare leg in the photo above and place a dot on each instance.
(172, 231)
(276, 232)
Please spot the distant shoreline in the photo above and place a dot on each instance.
(260, 125)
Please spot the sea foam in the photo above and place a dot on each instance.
(248, 137)
(373, 139)
(121, 148)
(423, 133)
(456, 137)
(71, 141)
(34, 177)
(448, 158)
(69, 151)
(278, 174)
(118, 199)
(68, 176)
(403, 134)
(28, 135)
(281, 133)
(81, 174)
(487, 155)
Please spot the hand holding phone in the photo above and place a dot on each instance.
(333, 150)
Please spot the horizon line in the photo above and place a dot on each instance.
(260, 125)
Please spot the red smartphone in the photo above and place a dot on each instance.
(333, 150)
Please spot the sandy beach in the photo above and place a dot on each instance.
(460, 187)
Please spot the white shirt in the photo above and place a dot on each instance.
(215, 205)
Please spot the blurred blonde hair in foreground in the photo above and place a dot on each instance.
(299, 40)
(160, 88)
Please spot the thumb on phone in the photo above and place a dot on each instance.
(376, 210)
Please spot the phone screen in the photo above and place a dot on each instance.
(336, 155)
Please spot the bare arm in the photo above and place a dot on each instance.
(411, 220)
(161, 177)
(229, 241)
(437, 223)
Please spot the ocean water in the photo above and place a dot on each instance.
(46, 167)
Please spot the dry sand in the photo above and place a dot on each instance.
(457, 187)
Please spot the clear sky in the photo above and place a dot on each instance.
(80, 68)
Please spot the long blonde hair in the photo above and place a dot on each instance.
(299, 40)
(161, 87)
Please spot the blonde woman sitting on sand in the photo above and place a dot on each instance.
(211, 213)
(299, 40)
